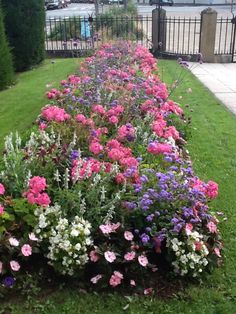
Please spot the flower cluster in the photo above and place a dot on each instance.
(109, 159)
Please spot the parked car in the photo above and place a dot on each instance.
(56, 4)
(162, 2)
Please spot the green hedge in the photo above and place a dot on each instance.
(6, 67)
(24, 23)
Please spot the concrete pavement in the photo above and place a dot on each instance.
(220, 79)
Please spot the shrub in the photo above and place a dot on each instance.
(24, 23)
(6, 67)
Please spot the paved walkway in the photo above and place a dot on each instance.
(220, 79)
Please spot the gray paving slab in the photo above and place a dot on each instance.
(220, 79)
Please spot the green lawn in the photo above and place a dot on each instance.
(20, 105)
(213, 151)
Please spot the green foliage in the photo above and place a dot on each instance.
(24, 23)
(6, 67)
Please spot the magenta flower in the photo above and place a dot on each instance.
(2, 189)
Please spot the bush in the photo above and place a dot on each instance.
(24, 23)
(6, 67)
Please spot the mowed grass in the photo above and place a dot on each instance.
(213, 151)
(20, 104)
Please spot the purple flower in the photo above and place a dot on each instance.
(8, 282)
(144, 238)
(74, 154)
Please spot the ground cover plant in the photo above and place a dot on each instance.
(105, 189)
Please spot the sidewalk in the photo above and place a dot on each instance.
(220, 79)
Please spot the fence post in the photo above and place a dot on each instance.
(208, 34)
(158, 30)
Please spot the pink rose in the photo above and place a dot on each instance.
(128, 235)
(2, 189)
(26, 250)
(110, 256)
(15, 266)
(94, 257)
(13, 242)
(129, 256)
(143, 261)
(95, 279)
(1, 209)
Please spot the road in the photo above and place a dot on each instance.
(85, 9)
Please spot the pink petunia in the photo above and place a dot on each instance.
(13, 242)
(188, 228)
(95, 279)
(1, 267)
(26, 250)
(217, 252)
(94, 257)
(129, 256)
(15, 266)
(2, 189)
(110, 256)
(128, 235)
(212, 227)
(32, 237)
(143, 261)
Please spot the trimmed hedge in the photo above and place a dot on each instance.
(6, 67)
(24, 23)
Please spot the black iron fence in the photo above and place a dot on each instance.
(181, 35)
(82, 35)
(77, 36)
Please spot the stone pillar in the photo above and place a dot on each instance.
(158, 30)
(208, 34)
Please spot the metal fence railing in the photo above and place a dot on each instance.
(224, 36)
(82, 34)
(182, 35)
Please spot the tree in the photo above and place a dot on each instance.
(24, 23)
(6, 66)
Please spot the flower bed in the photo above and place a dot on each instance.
(105, 190)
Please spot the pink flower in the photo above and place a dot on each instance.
(13, 242)
(198, 246)
(43, 199)
(159, 148)
(94, 257)
(15, 266)
(132, 283)
(110, 256)
(120, 178)
(54, 113)
(188, 228)
(212, 227)
(32, 237)
(95, 279)
(26, 250)
(148, 291)
(143, 261)
(129, 256)
(42, 126)
(113, 120)
(115, 279)
(99, 109)
(2, 189)
(81, 118)
(128, 235)
(1, 209)
(1, 267)
(212, 189)
(106, 229)
(95, 148)
(37, 184)
(217, 252)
